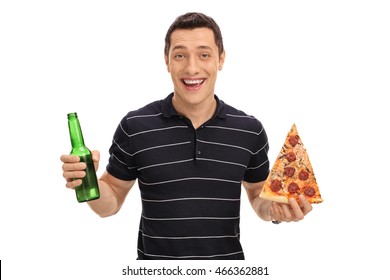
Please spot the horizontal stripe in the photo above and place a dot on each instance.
(226, 145)
(190, 237)
(166, 163)
(193, 256)
(191, 198)
(115, 157)
(240, 116)
(258, 165)
(262, 148)
(187, 179)
(161, 146)
(221, 161)
(156, 129)
(121, 162)
(190, 218)
(189, 160)
(152, 148)
(143, 116)
(235, 129)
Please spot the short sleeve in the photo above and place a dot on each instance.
(258, 167)
(121, 163)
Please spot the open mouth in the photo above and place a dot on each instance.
(193, 84)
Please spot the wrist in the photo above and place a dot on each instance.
(265, 210)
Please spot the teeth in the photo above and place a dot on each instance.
(193, 82)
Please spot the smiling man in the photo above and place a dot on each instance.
(190, 153)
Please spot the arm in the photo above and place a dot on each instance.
(113, 192)
(269, 211)
(261, 206)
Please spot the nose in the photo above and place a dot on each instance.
(192, 66)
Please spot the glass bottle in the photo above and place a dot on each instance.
(89, 189)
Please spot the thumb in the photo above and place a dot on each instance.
(96, 158)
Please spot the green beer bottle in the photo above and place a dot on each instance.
(89, 189)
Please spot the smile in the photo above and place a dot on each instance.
(196, 82)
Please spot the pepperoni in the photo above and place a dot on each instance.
(291, 157)
(276, 185)
(303, 175)
(289, 171)
(309, 191)
(293, 140)
(293, 187)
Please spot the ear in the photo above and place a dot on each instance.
(221, 60)
(167, 63)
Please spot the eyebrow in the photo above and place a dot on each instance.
(180, 47)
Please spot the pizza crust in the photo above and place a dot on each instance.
(271, 197)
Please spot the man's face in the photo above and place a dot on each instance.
(193, 62)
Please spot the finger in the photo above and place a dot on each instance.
(74, 166)
(275, 211)
(96, 158)
(296, 209)
(73, 184)
(306, 206)
(95, 155)
(71, 175)
(288, 217)
(69, 158)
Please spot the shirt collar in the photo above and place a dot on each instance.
(169, 111)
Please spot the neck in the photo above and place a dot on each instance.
(197, 113)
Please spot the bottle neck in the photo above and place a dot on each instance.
(76, 135)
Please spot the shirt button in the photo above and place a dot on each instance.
(199, 152)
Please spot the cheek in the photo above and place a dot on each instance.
(173, 68)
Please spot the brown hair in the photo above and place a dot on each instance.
(191, 21)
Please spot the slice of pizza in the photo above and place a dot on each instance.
(292, 173)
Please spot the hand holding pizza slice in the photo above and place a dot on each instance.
(292, 173)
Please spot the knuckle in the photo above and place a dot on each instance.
(288, 217)
(307, 210)
(300, 217)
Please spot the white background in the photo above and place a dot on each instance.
(324, 65)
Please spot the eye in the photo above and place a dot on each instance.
(178, 56)
(204, 55)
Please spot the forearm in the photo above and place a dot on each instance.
(107, 204)
(261, 206)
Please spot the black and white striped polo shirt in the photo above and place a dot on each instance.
(189, 179)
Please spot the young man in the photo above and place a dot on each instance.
(190, 153)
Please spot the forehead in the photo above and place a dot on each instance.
(196, 37)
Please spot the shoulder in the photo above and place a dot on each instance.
(142, 118)
(150, 110)
(241, 119)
